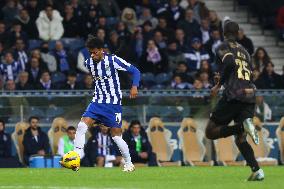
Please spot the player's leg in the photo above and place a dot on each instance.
(247, 152)
(80, 138)
(116, 134)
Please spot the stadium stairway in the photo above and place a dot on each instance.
(252, 28)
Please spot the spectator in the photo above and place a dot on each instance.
(90, 22)
(173, 13)
(199, 8)
(160, 40)
(33, 9)
(147, 16)
(139, 146)
(182, 71)
(110, 10)
(28, 25)
(204, 78)
(164, 29)
(4, 37)
(10, 11)
(153, 60)
(179, 82)
(71, 82)
(49, 24)
(195, 55)
(23, 82)
(100, 148)
(94, 5)
(63, 59)
(66, 142)
(45, 82)
(128, 16)
(10, 85)
(206, 67)
(48, 60)
(34, 71)
(215, 21)
(20, 53)
(280, 22)
(103, 24)
(205, 30)
(88, 82)
(10, 68)
(197, 84)
(70, 23)
(269, 79)
(17, 32)
(35, 140)
(190, 25)
(123, 31)
(5, 142)
(260, 59)
(245, 41)
(38, 55)
(262, 110)
(181, 40)
(137, 44)
(147, 33)
(174, 55)
(213, 43)
(101, 34)
(78, 9)
(114, 42)
(83, 55)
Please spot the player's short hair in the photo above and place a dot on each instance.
(3, 122)
(33, 117)
(134, 122)
(94, 42)
(71, 128)
(231, 29)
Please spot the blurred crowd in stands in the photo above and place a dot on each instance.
(172, 42)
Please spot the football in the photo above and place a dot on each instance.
(71, 160)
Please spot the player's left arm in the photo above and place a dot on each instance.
(122, 65)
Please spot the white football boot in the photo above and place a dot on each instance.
(251, 130)
(256, 176)
(128, 167)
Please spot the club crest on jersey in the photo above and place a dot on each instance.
(102, 77)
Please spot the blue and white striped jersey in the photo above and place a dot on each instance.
(10, 71)
(106, 79)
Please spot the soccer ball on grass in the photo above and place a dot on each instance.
(71, 160)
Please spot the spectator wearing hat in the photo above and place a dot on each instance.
(49, 24)
(195, 55)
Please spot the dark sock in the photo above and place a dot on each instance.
(226, 131)
(248, 154)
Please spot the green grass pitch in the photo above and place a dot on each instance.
(150, 178)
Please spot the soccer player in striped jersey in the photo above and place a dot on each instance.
(105, 107)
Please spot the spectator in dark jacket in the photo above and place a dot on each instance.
(199, 8)
(28, 25)
(100, 148)
(213, 43)
(45, 82)
(245, 41)
(139, 146)
(34, 71)
(260, 59)
(35, 140)
(269, 79)
(173, 13)
(153, 60)
(5, 142)
(189, 25)
(23, 82)
(71, 82)
(70, 22)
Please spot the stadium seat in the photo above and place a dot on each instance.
(125, 126)
(33, 44)
(163, 78)
(36, 111)
(18, 137)
(160, 137)
(73, 44)
(57, 130)
(280, 137)
(148, 80)
(262, 150)
(191, 143)
(54, 111)
(227, 152)
(58, 77)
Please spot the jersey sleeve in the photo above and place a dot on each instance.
(122, 65)
(221, 52)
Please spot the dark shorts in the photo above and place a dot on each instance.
(226, 111)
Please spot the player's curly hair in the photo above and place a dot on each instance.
(231, 29)
(93, 42)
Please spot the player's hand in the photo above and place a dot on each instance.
(133, 92)
(214, 91)
(217, 78)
